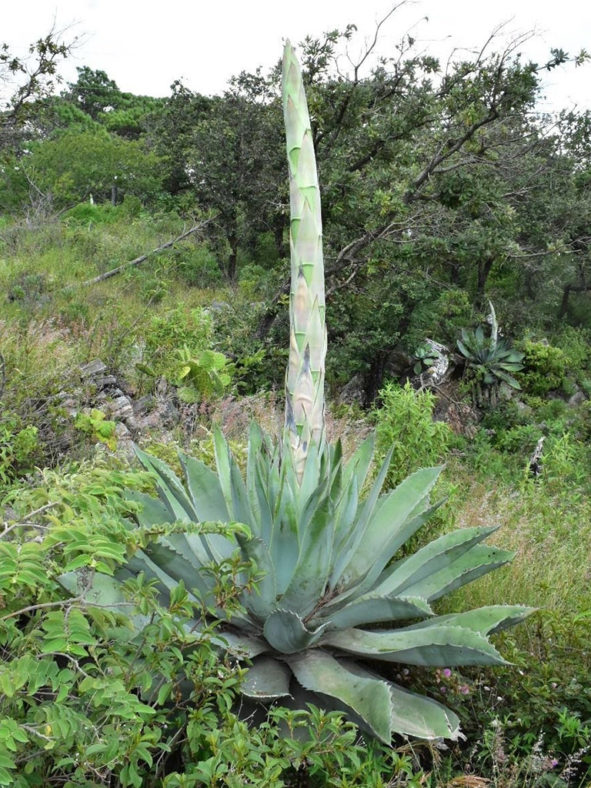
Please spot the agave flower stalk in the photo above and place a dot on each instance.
(304, 388)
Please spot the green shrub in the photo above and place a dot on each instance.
(169, 332)
(545, 369)
(198, 267)
(85, 702)
(404, 422)
(19, 448)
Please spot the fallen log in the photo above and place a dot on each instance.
(140, 259)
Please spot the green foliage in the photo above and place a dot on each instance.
(406, 429)
(97, 427)
(19, 447)
(198, 266)
(203, 376)
(545, 367)
(171, 331)
(78, 163)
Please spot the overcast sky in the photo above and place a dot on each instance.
(145, 45)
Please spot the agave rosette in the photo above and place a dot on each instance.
(337, 589)
(328, 577)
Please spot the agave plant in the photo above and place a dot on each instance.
(491, 359)
(331, 558)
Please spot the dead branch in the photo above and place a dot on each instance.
(141, 258)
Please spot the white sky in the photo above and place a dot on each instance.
(144, 45)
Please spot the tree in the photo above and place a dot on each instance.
(28, 79)
(74, 164)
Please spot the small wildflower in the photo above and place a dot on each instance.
(446, 672)
(464, 689)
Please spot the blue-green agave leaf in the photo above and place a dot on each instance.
(435, 556)
(386, 525)
(262, 600)
(152, 511)
(348, 544)
(169, 487)
(368, 697)
(310, 576)
(286, 632)
(412, 714)
(435, 646)
(266, 679)
(231, 481)
(486, 620)
(181, 567)
(478, 561)
(240, 644)
(205, 490)
(372, 608)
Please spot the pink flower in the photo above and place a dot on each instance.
(446, 672)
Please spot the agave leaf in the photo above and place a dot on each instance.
(241, 645)
(285, 536)
(478, 561)
(141, 562)
(369, 697)
(205, 490)
(286, 632)
(152, 512)
(412, 524)
(310, 576)
(262, 601)
(412, 714)
(485, 620)
(386, 527)
(345, 512)
(266, 679)
(231, 481)
(256, 475)
(416, 715)
(359, 464)
(350, 543)
(170, 489)
(509, 379)
(372, 608)
(464, 348)
(432, 645)
(167, 557)
(106, 592)
(437, 555)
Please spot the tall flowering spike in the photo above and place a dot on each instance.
(304, 388)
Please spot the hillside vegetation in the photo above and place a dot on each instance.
(450, 205)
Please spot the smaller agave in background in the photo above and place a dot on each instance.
(332, 560)
(491, 360)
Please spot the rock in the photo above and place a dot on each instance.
(352, 392)
(577, 398)
(105, 382)
(120, 408)
(144, 405)
(92, 369)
